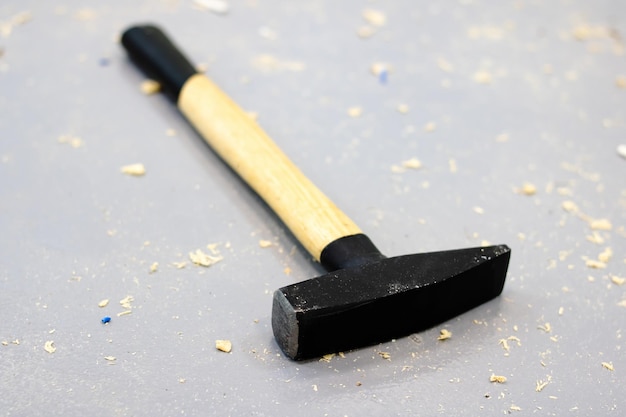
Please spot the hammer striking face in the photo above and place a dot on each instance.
(384, 298)
(366, 298)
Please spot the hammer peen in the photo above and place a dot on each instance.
(365, 298)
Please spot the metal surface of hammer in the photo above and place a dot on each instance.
(366, 298)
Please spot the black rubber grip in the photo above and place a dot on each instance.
(155, 54)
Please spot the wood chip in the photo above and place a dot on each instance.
(154, 267)
(606, 255)
(593, 264)
(125, 302)
(224, 345)
(136, 170)
(515, 408)
(149, 87)
(103, 303)
(327, 358)
(444, 334)
(500, 379)
(202, 259)
(110, 358)
(617, 280)
(49, 346)
(545, 327)
(569, 206)
(124, 313)
(529, 189)
(412, 163)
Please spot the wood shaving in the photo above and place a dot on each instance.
(179, 265)
(265, 243)
(515, 408)
(608, 365)
(149, 87)
(135, 170)
(223, 345)
(74, 141)
(444, 334)
(202, 259)
(103, 303)
(617, 280)
(216, 6)
(154, 267)
(385, 355)
(49, 346)
(500, 379)
(479, 210)
(374, 17)
(124, 313)
(110, 358)
(355, 111)
(606, 255)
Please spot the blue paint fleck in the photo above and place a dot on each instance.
(104, 62)
(105, 319)
(382, 77)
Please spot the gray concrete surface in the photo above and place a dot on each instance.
(517, 92)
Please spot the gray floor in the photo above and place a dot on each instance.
(499, 95)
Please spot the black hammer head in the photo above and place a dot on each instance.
(385, 299)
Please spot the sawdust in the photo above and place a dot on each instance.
(265, 243)
(327, 358)
(124, 313)
(608, 365)
(385, 355)
(49, 346)
(402, 108)
(617, 280)
(202, 259)
(444, 65)
(621, 150)
(620, 81)
(483, 77)
(219, 7)
(430, 127)
(594, 264)
(600, 224)
(528, 189)
(223, 345)
(154, 267)
(541, 384)
(74, 141)
(374, 17)
(126, 301)
(500, 379)
(179, 265)
(135, 170)
(103, 303)
(378, 68)
(452, 166)
(7, 26)
(545, 327)
(355, 111)
(269, 63)
(110, 358)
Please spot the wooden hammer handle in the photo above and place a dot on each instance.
(239, 141)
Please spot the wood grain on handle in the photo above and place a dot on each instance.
(310, 215)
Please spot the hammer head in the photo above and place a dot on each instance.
(385, 299)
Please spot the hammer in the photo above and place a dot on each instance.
(365, 298)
